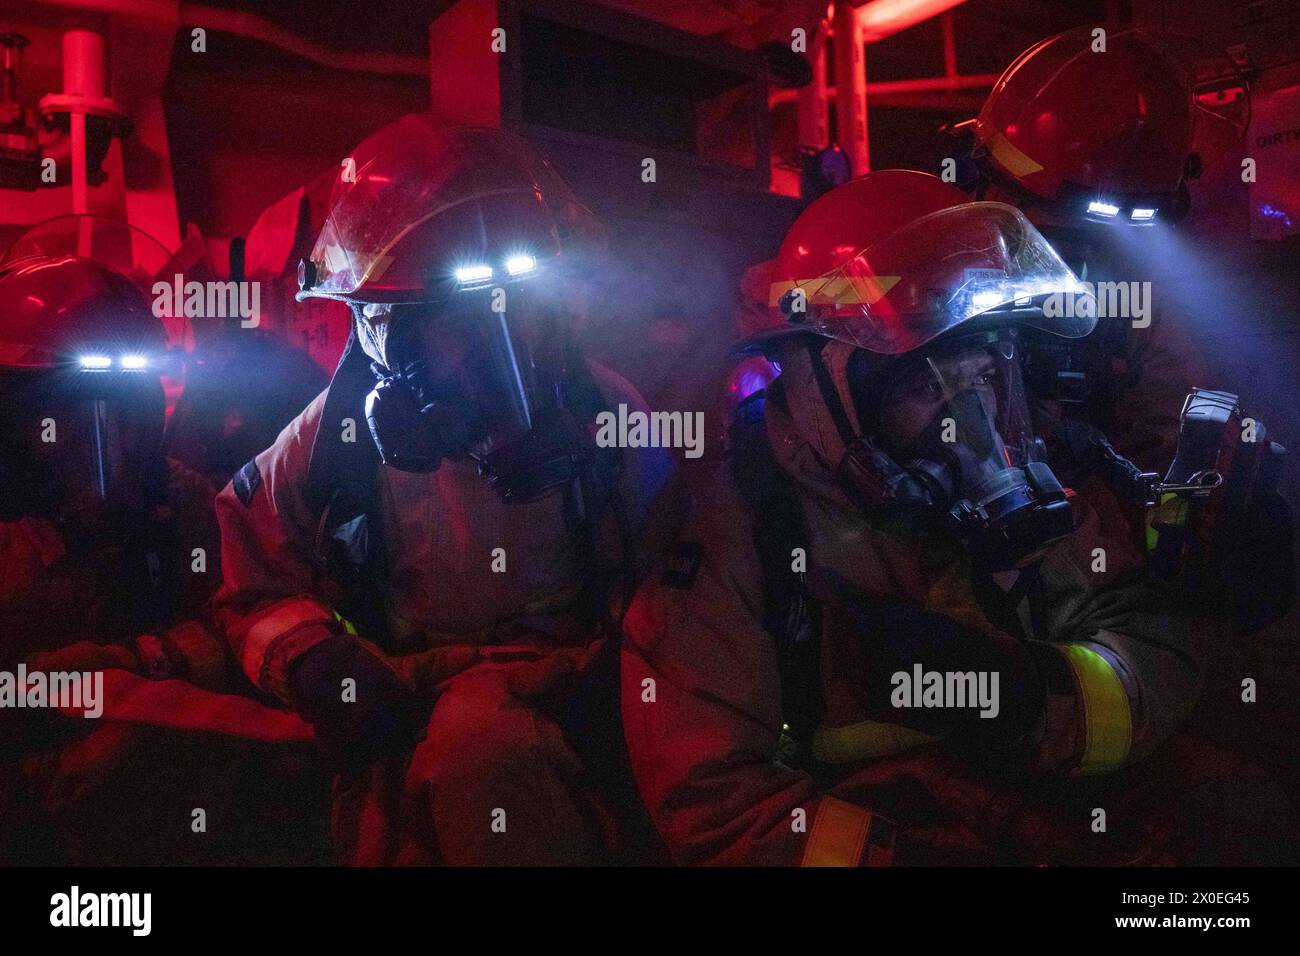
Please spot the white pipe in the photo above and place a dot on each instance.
(813, 111)
(84, 69)
(851, 88)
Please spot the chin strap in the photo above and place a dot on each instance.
(865, 473)
(830, 392)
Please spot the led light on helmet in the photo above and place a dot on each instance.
(466, 275)
(988, 299)
(518, 265)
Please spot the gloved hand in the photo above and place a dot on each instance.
(900, 637)
(381, 718)
(550, 682)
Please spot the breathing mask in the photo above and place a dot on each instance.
(952, 440)
(463, 380)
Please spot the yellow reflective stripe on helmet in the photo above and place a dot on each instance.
(864, 740)
(836, 290)
(1108, 723)
(839, 834)
(1010, 158)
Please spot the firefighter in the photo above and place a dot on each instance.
(443, 495)
(101, 531)
(1091, 141)
(108, 555)
(1099, 167)
(1096, 143)
(887, 527)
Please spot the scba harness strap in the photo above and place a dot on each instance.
(789, 614)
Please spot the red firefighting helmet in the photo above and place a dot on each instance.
(421, 210)
(80, 347)
(896, 258)
(74, 292)
(1102, 135)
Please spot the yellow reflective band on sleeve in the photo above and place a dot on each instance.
(275, 621)
(1011, 158)
(839, 833)
(347, 625)
(1108, 723)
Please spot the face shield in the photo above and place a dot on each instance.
(82, 448)
(131, 253)
(457, 248)
(468, 377)
(424, 212)
(965, 406)
(81, 402)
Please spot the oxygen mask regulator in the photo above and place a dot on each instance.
(1006, 507)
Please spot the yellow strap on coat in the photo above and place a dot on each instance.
(1172, 511)
(839, 834)
(1108, 722)
(864, 740)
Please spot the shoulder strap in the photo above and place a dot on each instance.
(335, 464)
(598, 487)
(343, 492)
(789, 614)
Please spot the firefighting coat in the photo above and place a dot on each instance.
(52, 596)
(315, 531)
(64, 612)
(702, 678)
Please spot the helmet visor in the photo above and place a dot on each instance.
(942, 271)
(115, 245)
